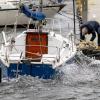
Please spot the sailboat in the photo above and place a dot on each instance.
(37, 52)
(10, 10)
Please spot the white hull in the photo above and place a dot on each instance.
(39, 52)
(58, 48)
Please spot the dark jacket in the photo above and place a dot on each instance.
(92, 27)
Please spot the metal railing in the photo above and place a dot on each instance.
(18, 49)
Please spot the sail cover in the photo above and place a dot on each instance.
(35, 15)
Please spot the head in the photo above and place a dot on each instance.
(84, 31)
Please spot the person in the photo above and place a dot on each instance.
(90, 27)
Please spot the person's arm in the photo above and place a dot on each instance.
(82, 37)
(93, 36)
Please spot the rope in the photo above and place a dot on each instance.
(87, 46)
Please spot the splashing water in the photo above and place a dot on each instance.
(79, 81)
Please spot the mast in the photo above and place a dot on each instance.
(41, 3)
(74, 19)
(40, 9)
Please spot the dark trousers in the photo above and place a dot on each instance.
(98, 39)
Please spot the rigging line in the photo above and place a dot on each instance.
(68, 13)
(66, 16)
(40, 41)
(39, 27)
(17, 14)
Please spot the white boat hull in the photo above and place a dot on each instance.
(36, 53)
(62, 51)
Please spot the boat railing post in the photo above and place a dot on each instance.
(4, 37)
(60, 26)
(29, 22)
(58, 53)
(5, 28)
(71, 38)
(15, 28)
(53, 25)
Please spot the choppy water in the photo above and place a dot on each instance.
(80, 79)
